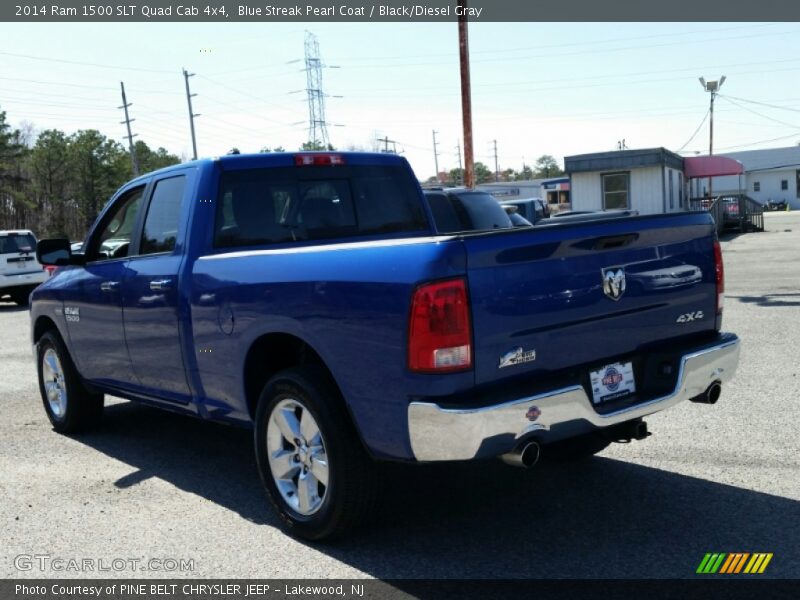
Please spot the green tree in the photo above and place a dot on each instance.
(98, 165)
(152, 160)
(14, 206)
(50, 180)
(546, 166)
(508, 175)
(316, 145)
(482, 173)
(455, 177)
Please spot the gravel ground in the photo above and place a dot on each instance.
(152, 485)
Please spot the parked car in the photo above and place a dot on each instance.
(462, 209)
(730, 212)
(516, 219)
(773, 205)
(314, 298)
(20, 272)
(533, 209)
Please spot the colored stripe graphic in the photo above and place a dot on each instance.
(732, 563)
(711, 562)
(758, 563)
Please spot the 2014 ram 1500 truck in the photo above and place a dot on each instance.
(310, 296)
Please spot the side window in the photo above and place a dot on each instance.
(615, 191)
(163, 216)
(114, 239)
(253, 210)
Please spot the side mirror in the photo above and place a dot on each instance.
(55, 252)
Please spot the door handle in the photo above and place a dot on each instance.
(159, 285)
(109, 286)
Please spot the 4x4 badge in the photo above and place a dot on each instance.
(613, 282)
(517, 356)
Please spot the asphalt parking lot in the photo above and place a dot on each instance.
(152, 485)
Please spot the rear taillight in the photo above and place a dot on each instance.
(317, 159)
(720, 275)
(439, 332)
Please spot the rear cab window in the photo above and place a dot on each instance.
(274, 205)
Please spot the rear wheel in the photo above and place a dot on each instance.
(312, 464)
(68, 404)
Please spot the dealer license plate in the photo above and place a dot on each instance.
(612, 382)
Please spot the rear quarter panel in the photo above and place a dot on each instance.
(349, 302)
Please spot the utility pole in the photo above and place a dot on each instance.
(713, 88)
(386, 141)
(460, 167)
(496, 168)
(435, 155)
(127, 121)
(466, 96)
(192, 114)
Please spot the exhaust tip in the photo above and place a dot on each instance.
(713, 392)
(711, 395)
(525, 455)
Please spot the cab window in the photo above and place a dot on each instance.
(117, 228)
(163, 216)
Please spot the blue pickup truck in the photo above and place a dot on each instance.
(312, 297)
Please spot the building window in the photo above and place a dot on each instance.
(671, 189)
(784, 184)
(756, 186)
(615, 190)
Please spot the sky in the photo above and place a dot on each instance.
(537, 88)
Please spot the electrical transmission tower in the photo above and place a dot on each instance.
(317, 125)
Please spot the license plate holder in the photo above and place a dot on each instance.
(612, 382)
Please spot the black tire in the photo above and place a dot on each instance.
(80, 409)
(577, 448)
(348, 498)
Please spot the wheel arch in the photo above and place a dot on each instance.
(273, 352)
(42, 325)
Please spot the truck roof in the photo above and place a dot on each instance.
(281, 159)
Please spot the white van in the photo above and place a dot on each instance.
(20, 272)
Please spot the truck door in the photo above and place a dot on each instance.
(150, 293)
(93, 305)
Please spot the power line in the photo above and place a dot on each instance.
(750, 110)
(726, 96)
(83, 64)
(591, 43)
(696, 131)
(784, 137)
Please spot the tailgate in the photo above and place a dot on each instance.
(539, 303)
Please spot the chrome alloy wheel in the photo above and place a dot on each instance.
(297, 456)
(54, 386)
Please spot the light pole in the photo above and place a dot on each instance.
(712, 87)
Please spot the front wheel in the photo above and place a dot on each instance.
(68, 404)
(312, 464)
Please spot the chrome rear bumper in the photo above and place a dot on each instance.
(438, 433)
